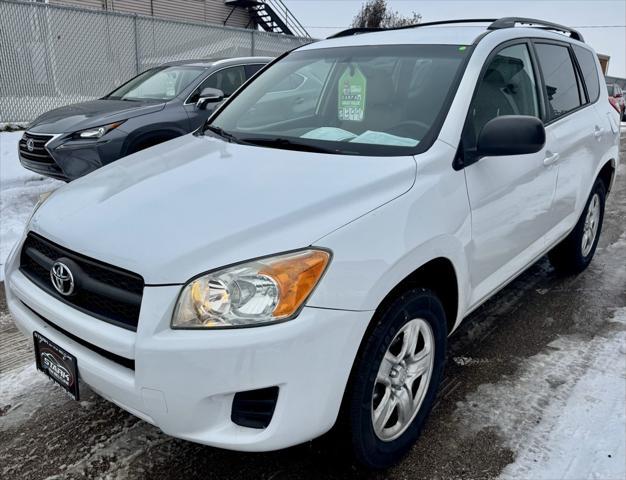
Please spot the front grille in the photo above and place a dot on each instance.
(39, 152)
(102, 291)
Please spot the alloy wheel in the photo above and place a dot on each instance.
(402, 379)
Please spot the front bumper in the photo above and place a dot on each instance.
(184, 382)
(72, 159)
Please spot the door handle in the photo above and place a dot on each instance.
(551, 158)
(598, 132)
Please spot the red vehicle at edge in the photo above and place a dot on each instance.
(616, 98)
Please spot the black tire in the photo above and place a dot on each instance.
(368, 449)
(568, 256)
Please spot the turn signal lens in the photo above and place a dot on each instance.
(259, 292)
(296, 277)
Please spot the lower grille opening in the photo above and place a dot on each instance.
(123, 361)
(254, 408)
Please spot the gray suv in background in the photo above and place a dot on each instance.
(157, 105)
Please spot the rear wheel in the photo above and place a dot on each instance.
(396, 378)
(576, 251)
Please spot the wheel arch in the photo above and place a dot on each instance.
(607, 174)
(143, 135)
(438, 275)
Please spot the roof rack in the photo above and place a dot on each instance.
(510, 22)
(494, 24)
(355, 31)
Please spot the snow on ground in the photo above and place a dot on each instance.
(19, 191)
(575, 431)
(24, 391)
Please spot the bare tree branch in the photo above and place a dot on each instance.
(376, 14)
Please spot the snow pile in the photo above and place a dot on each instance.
(23, 392)
(564, 416)
(19, 191)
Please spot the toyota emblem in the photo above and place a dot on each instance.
(30, 144)
(62, 279)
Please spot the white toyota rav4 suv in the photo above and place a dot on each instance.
(300, 261)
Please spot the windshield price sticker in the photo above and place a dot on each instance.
(352, 91)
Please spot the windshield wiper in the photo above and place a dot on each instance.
(223, 133)
(287, 144)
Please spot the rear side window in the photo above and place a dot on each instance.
(587, 62)
(560, 78)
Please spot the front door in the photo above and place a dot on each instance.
(227, 80)
(510, 196)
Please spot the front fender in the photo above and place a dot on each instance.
(374, 253)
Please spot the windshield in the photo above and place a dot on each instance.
(367, 100)
(161, 83)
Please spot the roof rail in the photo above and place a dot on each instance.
(357, 30)
(495, 24)
(510, 22)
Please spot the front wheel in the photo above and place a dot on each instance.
(396, 378)
(575, 252)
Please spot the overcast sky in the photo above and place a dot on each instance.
(602, 22)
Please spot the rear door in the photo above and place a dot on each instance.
(510, 196)
(574, 131)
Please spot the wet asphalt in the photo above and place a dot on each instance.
(44, 434)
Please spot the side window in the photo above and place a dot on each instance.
(252, 69)
(290, 82)
(508, 87)
(587, 61)
(294, 96)
(560, 78)
(227, 80)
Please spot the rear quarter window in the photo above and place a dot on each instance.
(587, 61)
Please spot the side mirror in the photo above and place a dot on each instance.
(209, 95)
(511, 135)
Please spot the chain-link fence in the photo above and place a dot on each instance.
(52, 56)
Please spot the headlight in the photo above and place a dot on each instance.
(98, 131)
(254, 293)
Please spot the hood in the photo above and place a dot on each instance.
(94, 113)
(198, 203)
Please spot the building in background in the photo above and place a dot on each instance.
(604, 62)
(269, 15)
(617, 80)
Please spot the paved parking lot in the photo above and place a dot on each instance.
(514, 363)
